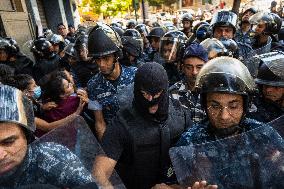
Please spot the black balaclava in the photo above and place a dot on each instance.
(151, 78)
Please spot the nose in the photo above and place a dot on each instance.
(149, 97)
(194, 71)
(225, 114)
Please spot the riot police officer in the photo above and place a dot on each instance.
(104, 46)
(132, 52)
(46, 60)
(187, 20)
(154, 38)
(144, 31)
(84, 67)
(225, 100)
(265, 26)
(270, 79)
(172, 46)
(12, 56)
(244, 32)
(137, 141)
(223, 25)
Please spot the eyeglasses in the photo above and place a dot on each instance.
(233, 108)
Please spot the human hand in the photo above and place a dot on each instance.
(48, 105)
(161, 186)
(80, 107)
(83, 95)
(202, 185)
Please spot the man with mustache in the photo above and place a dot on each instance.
(183, 92)
(270, 79)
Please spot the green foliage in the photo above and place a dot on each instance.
(108, 7)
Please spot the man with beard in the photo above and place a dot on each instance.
(109, 87)
(137, 141)
(243, 33)
(194, 58)
(270, 79)
(265, 26)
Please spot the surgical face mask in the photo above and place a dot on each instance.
(37, 93)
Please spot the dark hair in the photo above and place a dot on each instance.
(21, 81)
(6, 71)
(60, 24)
(54, 88)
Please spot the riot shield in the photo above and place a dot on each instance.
(79, 139)
(278, 125)
(254, 159)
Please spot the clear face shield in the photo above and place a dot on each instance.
(168, 49)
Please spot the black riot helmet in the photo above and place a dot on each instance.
(116, 24)
(56, 39)
(224, 18)
(172, 46)
(270, 71)
(82, 30)
(203, 32)
(132, 33)
(81, 42)
(9, 48)
(142, 29)
(42, 48)
(131, 46)
(70, 51)
(102, 41)
(187, 17)
(197, 25)
(131, 24)
(231, 46)
(252, 10)
(14, 48)
(225, 75)
(135, 35)
(156, 32)
(214, 47)
(272, 22)
(118, 30)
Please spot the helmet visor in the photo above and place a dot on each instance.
(168, 49)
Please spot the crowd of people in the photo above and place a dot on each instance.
(162, 105)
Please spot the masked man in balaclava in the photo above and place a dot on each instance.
(137, 141)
